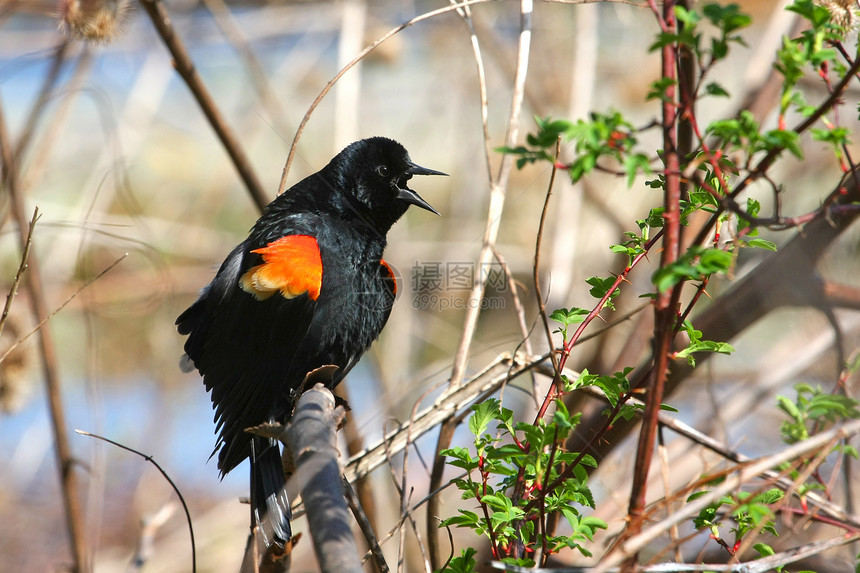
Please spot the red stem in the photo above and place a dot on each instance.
(665, 311)
(595, 312)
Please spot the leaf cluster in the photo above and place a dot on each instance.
(746, 511)
(812, 411)
(523, 457)
(726, 157)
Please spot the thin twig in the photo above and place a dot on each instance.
(814, 499)
(536, 266)
(72, 297)
(396, 527)
(151, 460)
(466, 13)
(449, 403)
(150, 525)
(365, 526)
(404, 498)
(497, 195)
(805, 470)
(361, 55)
(13, 290)
(762, 565)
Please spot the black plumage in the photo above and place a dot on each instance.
(270, 317)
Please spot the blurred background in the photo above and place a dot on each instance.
(120, 160)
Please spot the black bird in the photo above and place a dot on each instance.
(308, 287)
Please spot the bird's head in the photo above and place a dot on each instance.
(377, 172)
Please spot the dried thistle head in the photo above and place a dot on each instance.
(842, 12)
(98, 21)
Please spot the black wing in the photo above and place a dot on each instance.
(246, 351)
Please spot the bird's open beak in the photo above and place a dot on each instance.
(411, 196)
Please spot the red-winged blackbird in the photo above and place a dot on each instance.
(308, 287)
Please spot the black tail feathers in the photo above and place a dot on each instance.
(270, 505)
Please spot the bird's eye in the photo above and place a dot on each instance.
(383, 170)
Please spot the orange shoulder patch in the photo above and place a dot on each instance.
(387, 270)
(291, 266)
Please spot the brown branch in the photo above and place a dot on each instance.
(185, 68)
(310, 435)
(65, 461)
(365, 526)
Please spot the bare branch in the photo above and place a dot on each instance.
(185, 68)
(743, 473)
(310, 435)
(365, 526)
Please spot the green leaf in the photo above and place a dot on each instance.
(660, 89)
(716, 89)
(765, 550)
(634, 164)
(770, 496)
(687, 17)
(548, 132)
(704, 346)
(461, 458)
(696, 495)
(497, 501)
(728, 18)
(696, 263)
(484, 413)
(600, 287)
(817, 15)
(464, 563)
(779, 139)
(465, 519)
(569, 316)
(761, 244)
(834, 135)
